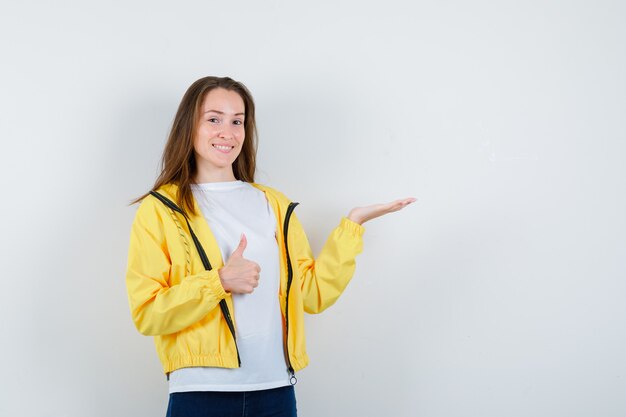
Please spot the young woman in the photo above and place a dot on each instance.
(220, 271)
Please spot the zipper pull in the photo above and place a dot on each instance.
(293, 380)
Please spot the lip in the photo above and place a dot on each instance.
(222, 148)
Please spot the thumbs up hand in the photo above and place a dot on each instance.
(239, 275)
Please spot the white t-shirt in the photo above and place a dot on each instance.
(232, 208)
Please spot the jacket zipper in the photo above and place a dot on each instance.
(231, 326)
(292, 379)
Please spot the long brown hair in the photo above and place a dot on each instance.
(178, 164)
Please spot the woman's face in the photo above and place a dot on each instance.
(219, 133)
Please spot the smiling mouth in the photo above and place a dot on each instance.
(223, 148)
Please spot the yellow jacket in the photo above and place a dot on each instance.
(174, 298)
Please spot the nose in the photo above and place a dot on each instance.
(226, 132)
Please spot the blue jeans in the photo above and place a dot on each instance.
(277, 402)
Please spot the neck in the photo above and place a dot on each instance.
(219, 175)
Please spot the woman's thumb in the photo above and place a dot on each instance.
(242, 246)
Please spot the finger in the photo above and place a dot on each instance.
(405, 200)
(241, 247)
(399, 204)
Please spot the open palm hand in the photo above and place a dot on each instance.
(362, 214)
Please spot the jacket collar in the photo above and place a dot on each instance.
(276, 199)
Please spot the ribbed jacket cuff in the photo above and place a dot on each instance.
(352, 227)
(214, 284)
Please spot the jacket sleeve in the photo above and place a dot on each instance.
(324, 279)
(156, 307)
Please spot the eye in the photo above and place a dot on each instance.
(238, 122)
(213, 120)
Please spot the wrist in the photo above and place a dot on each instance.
(355, 218)
(222, 281)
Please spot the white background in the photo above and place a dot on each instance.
(499, 293)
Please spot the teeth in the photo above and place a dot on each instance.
(223, 147)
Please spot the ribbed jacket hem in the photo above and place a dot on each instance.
(299, 362)
(219, 361)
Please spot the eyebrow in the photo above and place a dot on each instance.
(221, 112)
